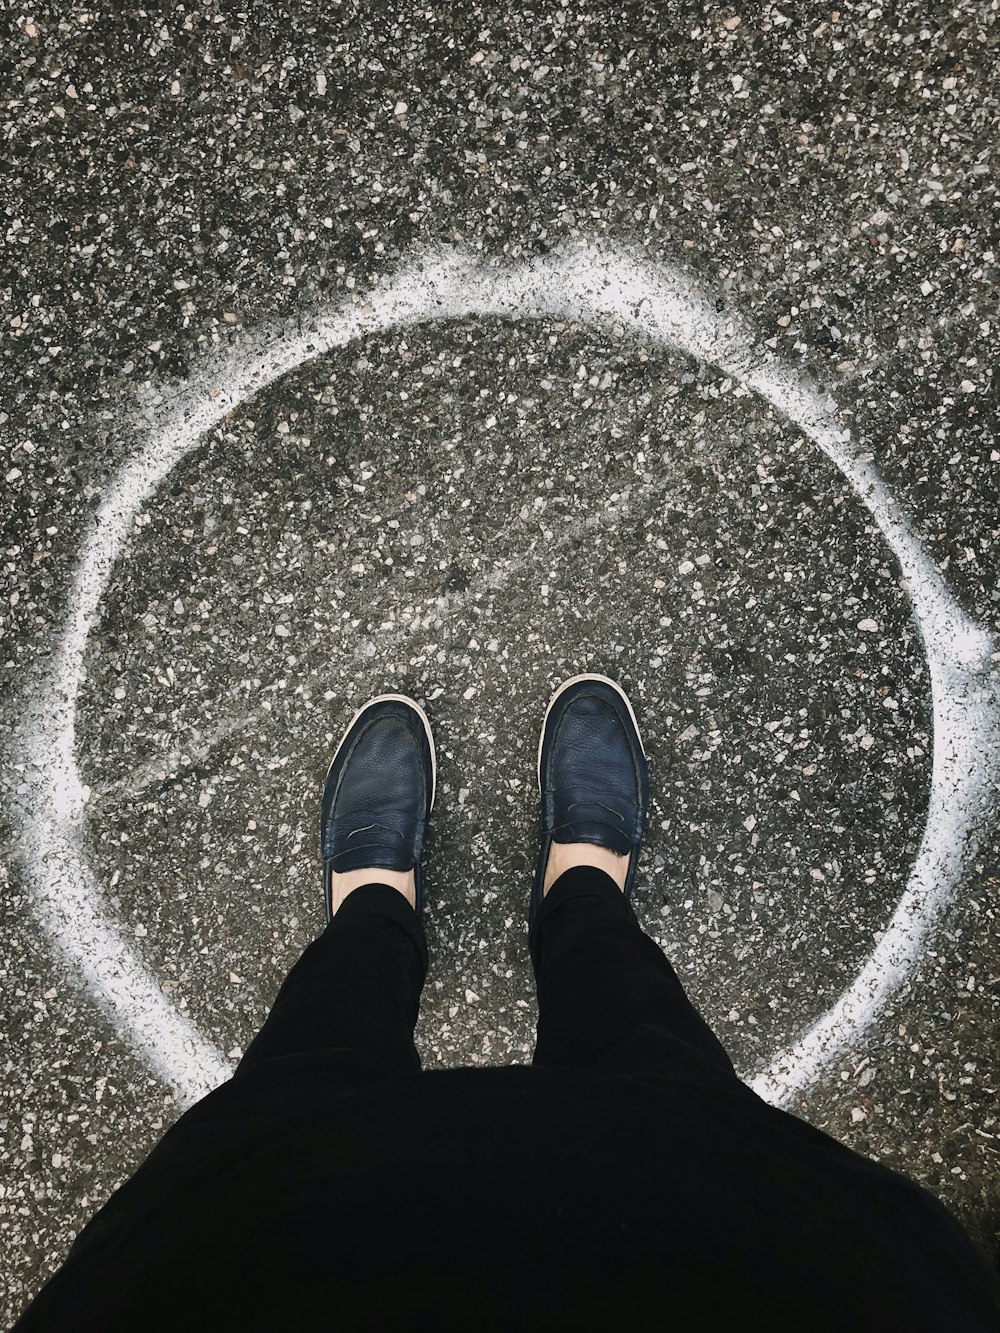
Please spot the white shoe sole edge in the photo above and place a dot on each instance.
(575, 680)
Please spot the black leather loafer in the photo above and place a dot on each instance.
(379, 793)
(592, 774)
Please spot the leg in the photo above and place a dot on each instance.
(350, 1004)
(607, 997)
(355, 990)
(344, 1017)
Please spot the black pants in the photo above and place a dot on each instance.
(607, 997)
(740, 1212)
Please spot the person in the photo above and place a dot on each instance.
(626, 1178)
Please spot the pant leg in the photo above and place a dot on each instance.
(355, 989)
(607, 996)
(350, 1004)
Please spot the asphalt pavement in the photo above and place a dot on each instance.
(317, 380)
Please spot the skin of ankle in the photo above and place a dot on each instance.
(565, 855)
(343, 884)
(562, 856)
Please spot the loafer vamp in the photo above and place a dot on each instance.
(590, 781)
(378, 812)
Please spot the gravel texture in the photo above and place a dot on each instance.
(469, 511)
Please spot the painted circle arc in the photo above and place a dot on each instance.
(616, 291)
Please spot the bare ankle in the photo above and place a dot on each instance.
(564, 855)
(349, 880)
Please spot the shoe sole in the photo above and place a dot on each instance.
(575, 680)
(410, 703)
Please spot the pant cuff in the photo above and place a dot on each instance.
(577, 882)
(373, 901)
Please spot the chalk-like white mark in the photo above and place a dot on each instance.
(615, 291)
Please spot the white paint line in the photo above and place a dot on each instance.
(965, 768)
(619, 292)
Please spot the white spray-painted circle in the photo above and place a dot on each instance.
(615, 291)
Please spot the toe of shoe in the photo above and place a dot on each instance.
(592, 768)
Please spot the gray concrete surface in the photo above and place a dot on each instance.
(471, 510)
